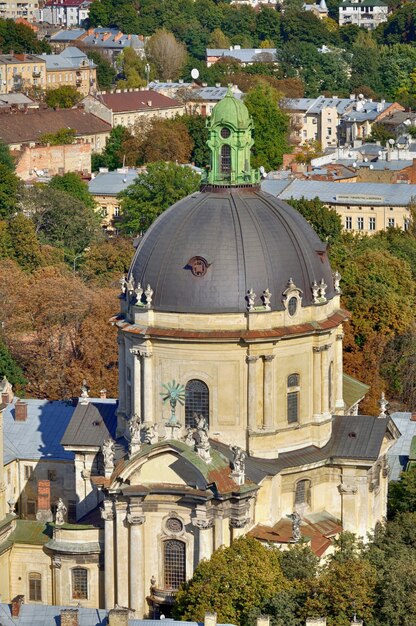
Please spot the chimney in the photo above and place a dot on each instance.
(149, 103)
(210, 619)
(69, 617)
(20, 411)
(316, 621)
(103, 393)
(16, 604)
(263, 620)
(119, 616)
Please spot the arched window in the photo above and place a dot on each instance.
(196, 401)
(293, 390)
(79, 583)
(225, 159)
(174, 563)
(330, 385)
(303, 492)
(35, 587)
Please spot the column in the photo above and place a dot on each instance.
(205, 537)
(339, 386)
(107, 513)
(137, 382)
(237, 525)
(325, 389)
(251, 391)
(317, 380)
(148, 412)
(268, 421)
(122, 555)
(121, 374)
(218, 532)
(137, 591)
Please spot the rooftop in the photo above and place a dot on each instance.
(398, 455)
(20, 58)
(31, 125)
(111, 183)
(245, 55)
(127, 100)
(70, 58)
(110, 38)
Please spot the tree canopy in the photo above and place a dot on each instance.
(63, 97)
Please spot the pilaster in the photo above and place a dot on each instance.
(268, 417)
(251, 391)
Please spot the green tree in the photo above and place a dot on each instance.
(5, 156)
(20, 38)
(325, 222)
(197, 129)
(112, 155)
(10, 369)
(10, 187)
(62, 137)
(218, 39)
(133, 69)
(168, 55)
(152, 192)
(106, 73)
(402, 494)
(232, 582)
(63, 97)
(271, 127)
(106, 261)
(299, 562)
(73, 184)
(24, 242)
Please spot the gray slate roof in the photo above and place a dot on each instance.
(374, 194)
(99, 40)
(92, 423)
(344, 106)
(111, 183)
(250, 241)
(215, 93)
(39, 436)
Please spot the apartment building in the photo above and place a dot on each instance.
(21, 72)
(363, 13)
(70, 67)
(12, 9)
(65, 13)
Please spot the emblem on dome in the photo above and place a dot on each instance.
(198, 266)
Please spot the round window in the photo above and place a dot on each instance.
(292, 305)
(174, 525)
(225, 132)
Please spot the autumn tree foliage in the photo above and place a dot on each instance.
(167, 54)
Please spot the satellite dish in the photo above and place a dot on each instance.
(354, 164)
(391, 142)
(365, 159)
(262, 171)
(195, 73)
(371, 167)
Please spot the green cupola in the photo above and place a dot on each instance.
(230, 139)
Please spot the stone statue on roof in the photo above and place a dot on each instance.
(108, 450)
(60, 512)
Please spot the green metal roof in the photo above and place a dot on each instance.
(353, 390)
(31, 532)
(364, 3)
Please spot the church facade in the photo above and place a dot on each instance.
(232, 416)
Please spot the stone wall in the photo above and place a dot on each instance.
(38, 161)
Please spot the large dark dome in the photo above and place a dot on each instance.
(249, 239)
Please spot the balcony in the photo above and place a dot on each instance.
(36, 74)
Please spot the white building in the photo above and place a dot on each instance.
(66, 13)
(364, 13)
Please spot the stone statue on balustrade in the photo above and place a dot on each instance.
(108, 452)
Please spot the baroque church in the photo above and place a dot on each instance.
(233, 417)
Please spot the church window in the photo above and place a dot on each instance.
(174, 563)
(196, 401)
(225, 159)
(330, 385)
(293, 398)
(225, 132)
(174, 525)
(35, 587)
(79, 583)
(292, 305)
(303, 492)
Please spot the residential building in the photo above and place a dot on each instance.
(66, 13)
(125, 107)
(363, 13)
(334, 121)
(363, 207)
(17, 101)
(40, 163)
(12, 9)
(21, 128)
(71, 67)
(109, 41)
(319, 9)
(105, 187)
(246, 56)
(203, 100)
(399, 122)
(22, 72)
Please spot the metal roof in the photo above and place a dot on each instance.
(371, 194)
(249, 239)
(70, 58)
(40, 435)
(67, 35)
(245, 55)
(111, 183)
(92, 423)
(398, 455)
(215, 93)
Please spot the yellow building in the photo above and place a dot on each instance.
(71, 67)
(232, 410)
(22, 72)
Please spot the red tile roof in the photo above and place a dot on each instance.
(23, 127)
(137, 101)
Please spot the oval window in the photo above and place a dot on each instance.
(225, 132)
(292, 306)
